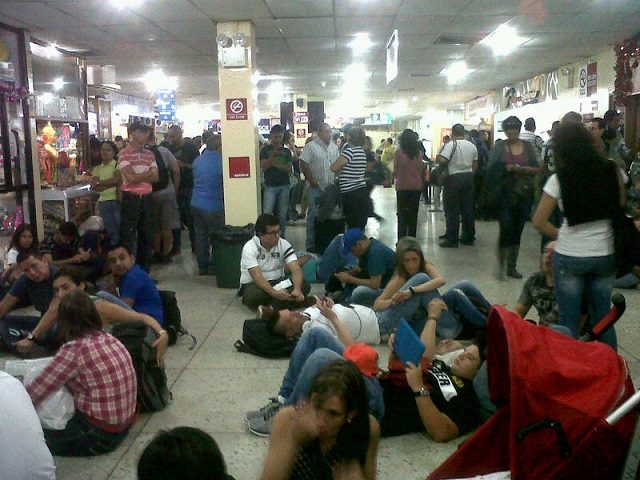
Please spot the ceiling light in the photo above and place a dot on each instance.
(323, 84)
(58, 83)
(275, 91)
(414, 99)
(456, 71)
(157, 80)
(52, 51)
(240, 39)
(503, 40)
(361, 43)
(356, 72)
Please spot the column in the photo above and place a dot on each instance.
(300, 119)
(239, 135)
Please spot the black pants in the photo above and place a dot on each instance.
(137, 228)
(408, 204)
(356, 207)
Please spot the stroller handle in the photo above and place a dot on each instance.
(617, 310)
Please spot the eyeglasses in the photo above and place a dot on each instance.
(274, 233)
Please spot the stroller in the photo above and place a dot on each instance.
(553, 395)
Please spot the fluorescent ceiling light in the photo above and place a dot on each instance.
(156, 80)
(361, 43)
(58, 83)
(356, 72)
(275, 92)
(503, 40)
(456, 71)
(52, 51)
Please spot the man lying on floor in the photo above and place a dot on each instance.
(432, 397)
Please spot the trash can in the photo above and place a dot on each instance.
(227, 252)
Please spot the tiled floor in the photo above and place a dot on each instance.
(213, 385)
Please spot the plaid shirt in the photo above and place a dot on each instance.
(98, 370)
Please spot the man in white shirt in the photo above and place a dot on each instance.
(461, 158)
(529, 135)
(315, 161)
(264, 258)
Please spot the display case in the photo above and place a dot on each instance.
(60, 117)
(17, 203)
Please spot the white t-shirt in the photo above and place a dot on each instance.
(23, 452)
(464, 154)
(12, 256)
(589, 239)
(271, 262)
(360, 321)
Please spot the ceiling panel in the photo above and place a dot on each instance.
(37, 14)
(168, 10)
(140, 32)
(376, 27)
(98, 12)
(433, 7)
(201, 30)
(301, 8)
(358, 8)
(225, 10)
(267, 28)
(307, 27)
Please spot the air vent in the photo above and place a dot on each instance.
(459, 39)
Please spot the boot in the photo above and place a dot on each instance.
(502, 253)
(512, 259)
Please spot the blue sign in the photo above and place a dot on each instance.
(166, 103)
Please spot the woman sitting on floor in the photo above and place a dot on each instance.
(330, 436)
(98, 371)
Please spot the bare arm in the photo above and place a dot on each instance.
(297, 278)
(373, 282)
(520, 309)
(7, 304)
(384, 300)
(306, 171)
(541, 218)
(261, 282)
(344, 336)
(338, 164)
(175, 173)
(46, 323)
(133, 177)
(100, 185)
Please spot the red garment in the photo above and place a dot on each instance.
(142, 162)
(98, 370)
(408, 172)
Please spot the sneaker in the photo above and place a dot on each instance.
(261, 426)
(274, 404)
(448, 244)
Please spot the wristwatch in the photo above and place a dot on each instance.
(31, 337)
(423, 392)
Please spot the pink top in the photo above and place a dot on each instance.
(408, 172)
(142, 162)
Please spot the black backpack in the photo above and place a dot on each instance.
(257, 341)
(173, 318)
(153, 393)
(163, 169)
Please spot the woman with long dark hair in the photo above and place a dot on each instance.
(587, 190)
(511, 170)
(330, 435)
(25, 238)
(408, 172)
(98, 371)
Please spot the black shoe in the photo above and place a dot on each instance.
(467, 242)
(449, 244)
(443, 237)
(513, 273)
(435, 210)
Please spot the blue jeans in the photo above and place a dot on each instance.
(630, 280)
(81, 438)
(110, 213)
(362, 295)
(315, 349)
(313, 194)
(389, 319)
(110, 297)
(584, 277)
(458, 202)
(462, 308)
(333, 259)
(207, 225)
(512, 219)
(281, 196)
(16, 327)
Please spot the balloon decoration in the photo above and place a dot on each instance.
(627, 57)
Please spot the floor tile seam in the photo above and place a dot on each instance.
(200, 345)
(133, 435)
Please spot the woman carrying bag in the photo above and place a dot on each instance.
(509, 190)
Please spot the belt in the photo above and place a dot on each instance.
(109, 428)
(141, 195)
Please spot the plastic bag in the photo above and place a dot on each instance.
(57, 409)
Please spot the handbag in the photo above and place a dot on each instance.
(520, 187)
(626, 239)
(440, 173)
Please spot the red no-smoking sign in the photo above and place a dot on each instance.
(237, 109)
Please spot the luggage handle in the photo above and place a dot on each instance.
(565, 451)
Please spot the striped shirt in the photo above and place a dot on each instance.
(319, 156)
(98, 370)
(352, 174)
(142, 162)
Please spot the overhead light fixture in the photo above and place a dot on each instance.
(240, 39)
(503, 40)
(157, 80)
(58, 84)
(361, 43)
(323, 84)
(52, 51)
(456, 71)
(275, 92)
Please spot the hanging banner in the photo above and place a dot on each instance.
(479, 109)
(166, 103)
(582, 81)
(592, 79)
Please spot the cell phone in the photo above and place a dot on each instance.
(322, 298)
